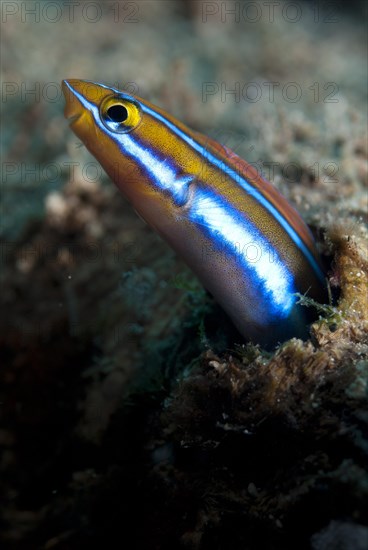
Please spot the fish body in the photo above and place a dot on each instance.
(245, 242)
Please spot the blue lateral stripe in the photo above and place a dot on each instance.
(222, 224)
(159, 170)
(245, 185)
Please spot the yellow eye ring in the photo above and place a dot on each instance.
(119, 114)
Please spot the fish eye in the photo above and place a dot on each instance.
(119, 114)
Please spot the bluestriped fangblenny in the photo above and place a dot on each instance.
(241, 237)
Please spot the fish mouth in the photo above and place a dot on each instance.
(73, 106)
(82, 97)
(73, 118)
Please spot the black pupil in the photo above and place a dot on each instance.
(117, 113)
